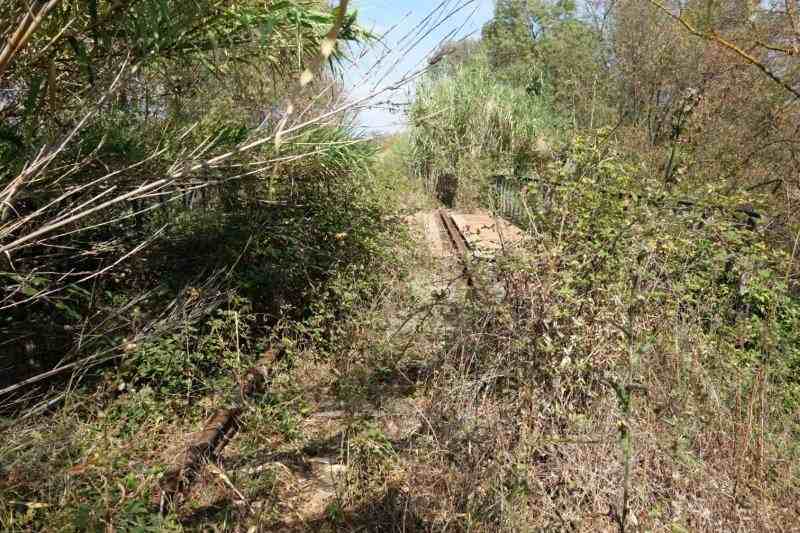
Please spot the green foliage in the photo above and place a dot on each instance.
(471, 124)
(548, 47)
(301, 253)
(686, 259)
(203, 76)
(514, 35)
(184, 362)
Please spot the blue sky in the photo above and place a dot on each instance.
(406, 48)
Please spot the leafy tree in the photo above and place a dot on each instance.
(709, 86)
(547, 46)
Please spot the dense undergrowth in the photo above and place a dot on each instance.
(641, 370)
(99, 460)
(633, 364)
(158, 238)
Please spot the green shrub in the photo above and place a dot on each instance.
(623, 241)
(471, 125)
(186, 360)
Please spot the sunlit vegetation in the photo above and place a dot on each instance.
(652, 321)
(183, 195)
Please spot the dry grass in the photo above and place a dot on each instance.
(511, 436)
(445, 409)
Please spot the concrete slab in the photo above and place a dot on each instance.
(485, 233)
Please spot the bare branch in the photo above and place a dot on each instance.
(714, 37)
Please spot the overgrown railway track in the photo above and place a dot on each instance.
(207, 444)
(219, 429)
(458, 242)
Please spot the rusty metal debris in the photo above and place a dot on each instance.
(217, 432)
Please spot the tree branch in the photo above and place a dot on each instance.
(716, 38)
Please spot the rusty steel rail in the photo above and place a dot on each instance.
(458, 241)
(456, 238)
(208, 443)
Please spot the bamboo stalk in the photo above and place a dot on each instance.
(27, 26)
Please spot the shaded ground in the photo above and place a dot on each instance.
(338, 418)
